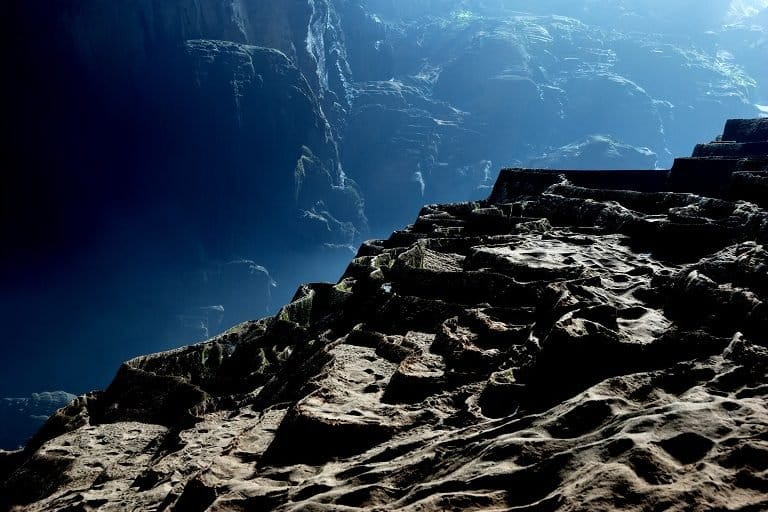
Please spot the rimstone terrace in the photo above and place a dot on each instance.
(579, 341)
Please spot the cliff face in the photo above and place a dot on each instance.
(579, 340)
(190, 90)
(475, 83)
(158, 144)
(397, 102)
(154, 146)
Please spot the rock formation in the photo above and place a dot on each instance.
(152, 142)
(581, 340)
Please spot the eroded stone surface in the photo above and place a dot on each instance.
(565, 345)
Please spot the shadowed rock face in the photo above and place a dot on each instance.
(234, 99)
(567, 344)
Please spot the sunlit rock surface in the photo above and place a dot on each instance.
(581, 340)
(152, 142)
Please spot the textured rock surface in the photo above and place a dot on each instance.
(152, 143)
(567, 344)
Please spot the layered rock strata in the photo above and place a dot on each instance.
(577, 341)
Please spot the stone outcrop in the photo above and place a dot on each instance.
(581, 340)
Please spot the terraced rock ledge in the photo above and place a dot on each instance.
(578, 341)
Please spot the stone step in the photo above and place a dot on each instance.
(750, 186)
(513, 183)
(733, 178)
(705, 176)
(731, 149)
(746, 130)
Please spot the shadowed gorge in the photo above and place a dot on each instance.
(579, 340)
(173, 168)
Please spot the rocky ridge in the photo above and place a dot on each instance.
(581, 340)
(311, 124)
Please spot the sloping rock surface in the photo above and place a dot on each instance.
(567, 344)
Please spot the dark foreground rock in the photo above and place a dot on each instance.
(579, 341)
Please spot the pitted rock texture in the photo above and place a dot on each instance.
(567, 344)
(175, 137)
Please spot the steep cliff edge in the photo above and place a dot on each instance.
(154, 145)
(581, 340)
